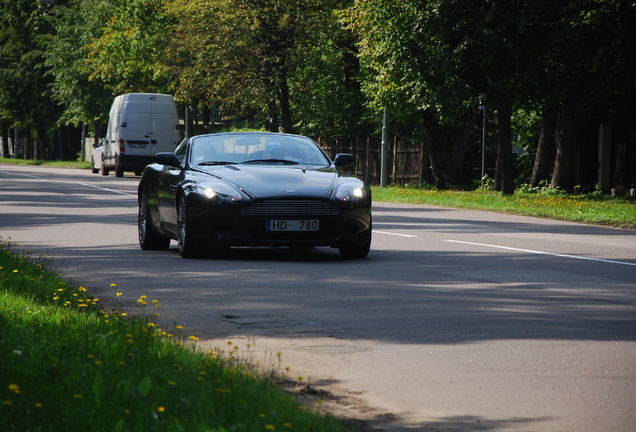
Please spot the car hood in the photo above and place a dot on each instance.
(265, 181)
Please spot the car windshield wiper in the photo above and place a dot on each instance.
(217, 163)
(264, 161)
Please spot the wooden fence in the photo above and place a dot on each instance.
(406, 164)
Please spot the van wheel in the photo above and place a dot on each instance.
(105, 170)
(93, 169)
(148, 238)
(119, 170)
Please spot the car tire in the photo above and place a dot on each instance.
(93, 169)
(355, 250)
(188, 246)
(148, 238)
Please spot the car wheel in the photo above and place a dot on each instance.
(355, 250)
(93, 169)
(148, 238)
(188, 247)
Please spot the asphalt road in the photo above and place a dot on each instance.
(457, 320)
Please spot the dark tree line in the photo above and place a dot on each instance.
(547, 72)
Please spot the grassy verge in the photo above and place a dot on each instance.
(65, 364)
(58, 164)
(546, 203)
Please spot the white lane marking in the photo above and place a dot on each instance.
(394, 234)
(20, 174)
(107, 190)
(542, 253)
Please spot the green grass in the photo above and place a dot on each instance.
(66, 365)
(546, 203)
(57, 164)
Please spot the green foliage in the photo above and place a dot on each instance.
(24, 93)
(76, 25)
(126, 55)
(328, 68)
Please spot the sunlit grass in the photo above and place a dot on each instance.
(590, 208)
(68, 365)
(57, 164)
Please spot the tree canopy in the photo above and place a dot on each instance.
(327, 68)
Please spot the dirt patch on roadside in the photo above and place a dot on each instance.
(310, 386)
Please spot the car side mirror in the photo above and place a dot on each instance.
(167, 158)
(344, 159)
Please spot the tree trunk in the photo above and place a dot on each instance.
(28, 151)
(545, 149)
(42, 144)
(272, 124)
(5, 140)
(285, 111)
(568, 136)
(504, 151)
(460, 145)
(431, 138)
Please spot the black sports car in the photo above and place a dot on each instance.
(252, 189)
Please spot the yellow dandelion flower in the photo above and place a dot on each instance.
(270, 427)
(14, 388)
(7, 403)
(38, 405)
(161, 409)
(194, 338)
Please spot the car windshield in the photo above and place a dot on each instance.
(255, 148)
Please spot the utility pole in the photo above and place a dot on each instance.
(483, 109)
(384, 159)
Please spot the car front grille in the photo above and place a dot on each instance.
(290, 208)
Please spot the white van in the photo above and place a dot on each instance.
(140, 125)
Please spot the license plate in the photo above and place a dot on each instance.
(137, 145)
(292, 225)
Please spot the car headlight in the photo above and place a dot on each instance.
(220, 191)
(350, 191)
